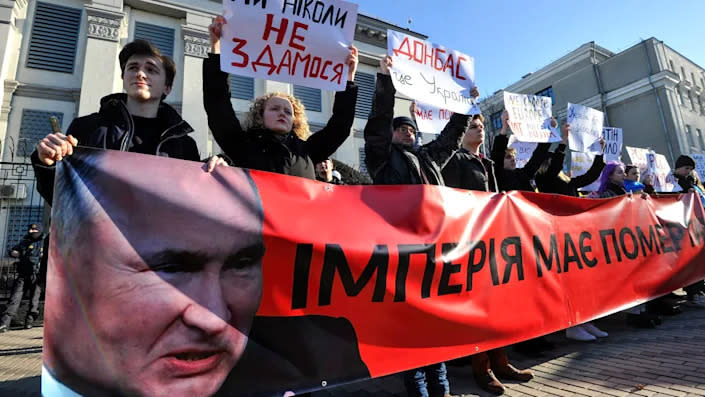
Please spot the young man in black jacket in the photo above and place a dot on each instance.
(135, 121)
(468, 168)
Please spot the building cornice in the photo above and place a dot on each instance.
(104, 24)
(666, 79)
(48, 92)
(196, 41)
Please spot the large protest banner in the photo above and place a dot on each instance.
(613, 144)
(586, 126)
(530, 117)
(439, 76)
(524, 150)
(580, 163)
(152, 289)
(294, 41)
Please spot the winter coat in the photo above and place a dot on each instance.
(549, 182)
(28, 251)
(612, 190)
(470, 172)
(392, 164)
(519, 178)
(265, 150)
(113, 128)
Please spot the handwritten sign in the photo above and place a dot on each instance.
(657, 165)
(637, 156)
(586, 127)
(580, 163)
(530, 117)
(699, 164)
(422, 70)
(613, 144)
(293, 41)
(524, 150)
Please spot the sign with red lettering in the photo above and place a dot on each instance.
(585, 127)
(267, 287)
(301, 42)
(431, 119)
(530, 117)
(637, 156)
(439, 76)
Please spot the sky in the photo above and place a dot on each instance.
(509, 39)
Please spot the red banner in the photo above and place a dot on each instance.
(355, 281)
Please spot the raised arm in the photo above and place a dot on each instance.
(591, 175)
(378, 130)
(326, 141)
(222, 121)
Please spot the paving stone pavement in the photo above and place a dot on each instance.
(668, 361)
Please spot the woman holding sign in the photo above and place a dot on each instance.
(277, 137)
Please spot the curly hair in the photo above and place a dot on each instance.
(255, 117)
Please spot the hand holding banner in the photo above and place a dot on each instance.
(290, 41)
(586, 126)
(530, 117)
(423, 70)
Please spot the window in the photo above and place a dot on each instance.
(365, 94)
(160, 37)
(696, 103)
(678, 95)
(683, 75)
(692, 75)
(34, 126)
(19, 218)
(702, 139)
(54, 38)
(689, 135)
(310, 97)
(496, 120)
(242, 87)
(686, 99)
(547, 92)
(673, 69)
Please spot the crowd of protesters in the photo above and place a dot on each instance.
(276, 138)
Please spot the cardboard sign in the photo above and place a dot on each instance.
(580, 163)
(637, 156)
(613, 144)
(422, 70)
(431, 119)
(524, 150)
(657, 165)
(530, 117)
(699, 165)
(586, 127)
(298, 42)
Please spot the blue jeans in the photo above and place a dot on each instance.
(429, 381)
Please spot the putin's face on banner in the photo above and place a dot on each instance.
(156, 293)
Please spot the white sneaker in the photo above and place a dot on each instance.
(594, 331)
(579, 334)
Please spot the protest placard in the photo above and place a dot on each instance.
(431, 119)
(637, 156)
(524, 150)
(294, 41)
(613, 144)
(580, 163)
(586, 126)
(699, 164)
(422, 70)
(530, 117)
(657, 165)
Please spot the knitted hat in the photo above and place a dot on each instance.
(404, 120)
(684, 160)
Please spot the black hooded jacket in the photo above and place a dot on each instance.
(549, 182)
(114, 128)
(519, 178)
(265, 150)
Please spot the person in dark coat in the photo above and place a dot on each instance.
(508, 176)
(277, 137)
(393, 159)
(28, 252)
(550, 177)
(135, 121)
(325, 172)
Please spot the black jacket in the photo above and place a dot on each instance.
(470, 172)
(113, 128)
(519, 178)
(392, 164)
(549, 182)
(28, 252)
(265, 150)
(685, 182)
(613, 190)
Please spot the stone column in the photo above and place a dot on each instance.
(196, 48)
(102, 47)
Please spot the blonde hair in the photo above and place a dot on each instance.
(511, 151)
(255, 117)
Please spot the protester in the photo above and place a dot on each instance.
(469, 169)
(28, 252)
(135, 121)
(325, 172)
(392, 158)
(277, 137)
(648, 181)
(631, 179)
(508, 176)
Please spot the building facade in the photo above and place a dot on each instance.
(655, 94)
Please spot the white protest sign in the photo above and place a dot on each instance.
(431, 119)
(657, 165)
(304, 43)
(637, 156)
(613, 144)
(524, 150)
(699, 164)
(440, 76)
(585, 127)
(580, 163)
(530, 117)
